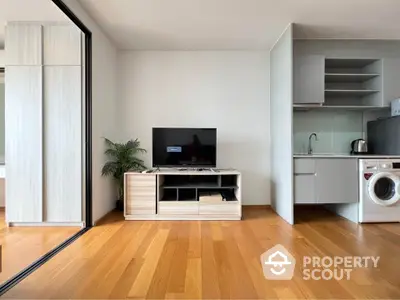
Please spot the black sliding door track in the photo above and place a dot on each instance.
(88, 155)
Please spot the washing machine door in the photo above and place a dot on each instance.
(384, 188)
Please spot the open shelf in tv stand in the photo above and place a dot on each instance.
(172, 194)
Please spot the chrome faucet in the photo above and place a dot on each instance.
(310, 149)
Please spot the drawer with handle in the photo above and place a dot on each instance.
(304, 166)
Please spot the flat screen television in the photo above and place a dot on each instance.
(177, 147)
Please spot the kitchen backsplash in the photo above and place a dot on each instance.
(335, 130)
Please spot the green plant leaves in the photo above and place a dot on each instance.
(122, 158)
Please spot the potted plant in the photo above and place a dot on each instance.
(123, 158)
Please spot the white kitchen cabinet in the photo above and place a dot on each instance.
(326, 181)
(304, 181)
(305, 189)
(23, 44)
(304, 166)
(309, 85)
(337, 180)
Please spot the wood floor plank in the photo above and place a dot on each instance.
(159, 283)
(210, 288)
(21, 246)
(176, 283)
(152, 256)
(242, 286)
(193, 279)
(215, 260)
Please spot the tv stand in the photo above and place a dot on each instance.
(182, 194)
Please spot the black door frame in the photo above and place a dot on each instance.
(88, 155)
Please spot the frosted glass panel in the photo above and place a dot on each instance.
(335, 130)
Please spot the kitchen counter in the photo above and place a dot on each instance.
(322, 155)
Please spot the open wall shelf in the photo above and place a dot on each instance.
(305, 107)
(348, 77)
(349, 65)
(353, 82)
(188, 188)
(348, 92)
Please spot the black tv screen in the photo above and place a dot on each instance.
(173, 147)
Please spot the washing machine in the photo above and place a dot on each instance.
(379, 190)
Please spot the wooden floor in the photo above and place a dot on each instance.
(22, 246)
(211, 260)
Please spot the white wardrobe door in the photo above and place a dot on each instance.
(62, 144)
(61, 45)
(23, 135)
(23, 44)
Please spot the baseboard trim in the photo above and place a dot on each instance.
(257, 206)
(183, 218)
(46, 224)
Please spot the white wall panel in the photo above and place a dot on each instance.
(281, 94)
(62, 144)
(23, 115)
(61, 45)
(23, 44)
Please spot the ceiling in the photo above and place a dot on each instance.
(239, 24)
(28, 10)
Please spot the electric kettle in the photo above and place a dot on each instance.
(359, 147)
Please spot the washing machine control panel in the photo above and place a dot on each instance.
(375, 165)
(388, 165)
(385, 165)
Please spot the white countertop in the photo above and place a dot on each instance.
(344, 155)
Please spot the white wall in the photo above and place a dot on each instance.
(228, 90)
(104, 109)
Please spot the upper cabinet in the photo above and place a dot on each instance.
(61, 45)
(23, 44)
(345, 74)
(309, 79)
(391, 73)
(35, 45)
